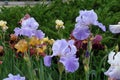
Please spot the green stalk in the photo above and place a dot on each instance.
(87, 61)
(60, 76)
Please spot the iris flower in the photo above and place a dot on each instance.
(115, 28)
(14, 77)
(84, 21)
(114, 61)
(34, 41)
(66, 51)
(3, 25)
(59, 24)
(21, 46)
(29, 29)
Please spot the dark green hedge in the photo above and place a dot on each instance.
(108, 12)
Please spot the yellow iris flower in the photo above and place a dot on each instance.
(34, 41)
(3, 25)
(22, 46)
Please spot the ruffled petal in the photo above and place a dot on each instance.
(59, 46)
(81, 33)
(87, 17)
(30, 23)
(71, 63)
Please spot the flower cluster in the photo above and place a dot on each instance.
(66, 51)
(84, 21)
(37, 46)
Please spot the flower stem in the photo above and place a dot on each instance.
(60, 76)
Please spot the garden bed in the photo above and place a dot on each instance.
(59, 27)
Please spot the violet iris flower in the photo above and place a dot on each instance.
(14, 77)
(84, 20)
(29, 29)
(66, 51)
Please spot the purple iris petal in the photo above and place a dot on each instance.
(100, 25)
(87, 17)
(71, 63)
(17, 31)
(47, 61)
(64, 48)
(70, 50)
(71, 42)
(30, 23)
(59, 47)
(14, 77)
(39, 34)
(81, 33)
(27, 32)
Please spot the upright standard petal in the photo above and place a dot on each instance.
(47, 61)
(81, 33)
(87, 17)
(59, 46)
(71, 64)
(30, 23)
(64, 48)
(70, 50)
